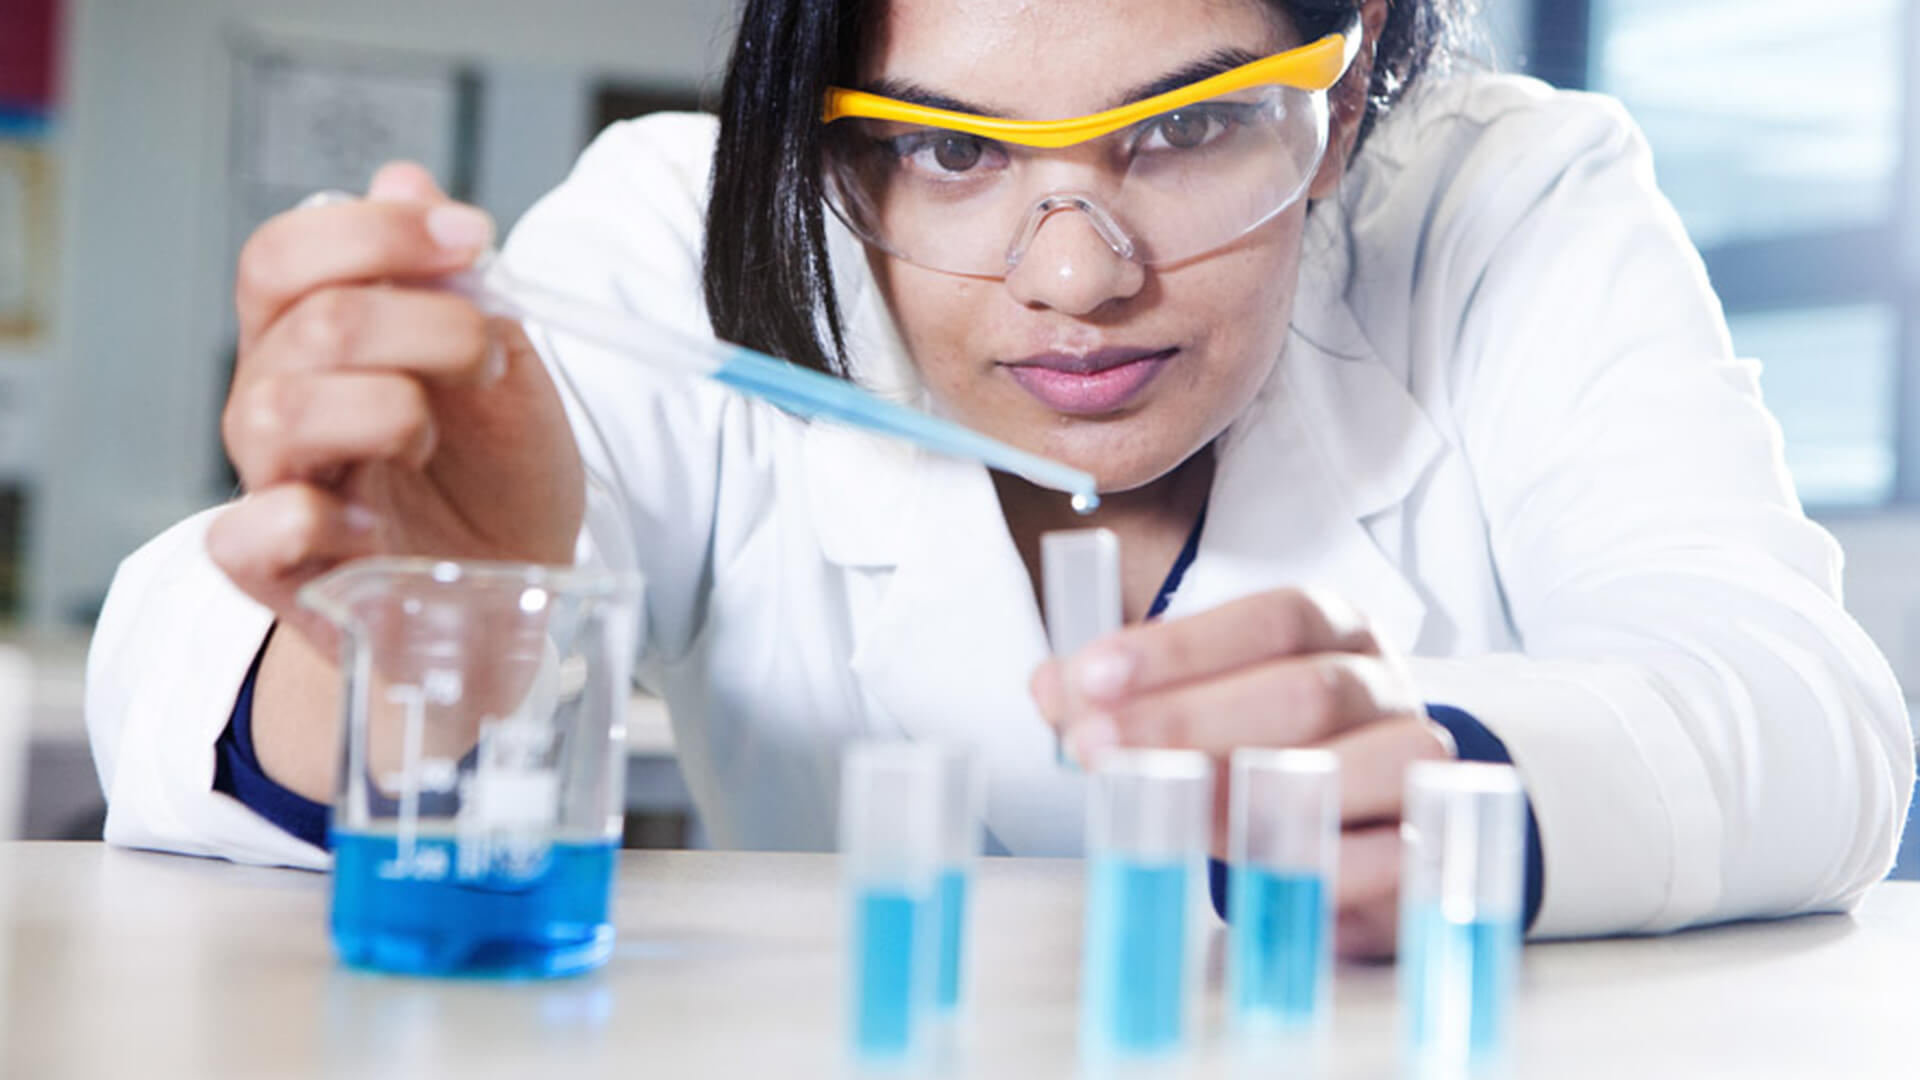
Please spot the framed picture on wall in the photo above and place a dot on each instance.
(314, 117)
(26, 240)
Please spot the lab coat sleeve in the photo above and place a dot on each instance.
(1704, 732)
(171, 648)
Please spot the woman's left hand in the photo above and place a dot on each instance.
(1282, 668)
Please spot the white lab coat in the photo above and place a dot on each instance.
(1508, 426)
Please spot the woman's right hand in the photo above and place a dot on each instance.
(374, 414)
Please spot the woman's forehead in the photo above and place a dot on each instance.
(1044, 59)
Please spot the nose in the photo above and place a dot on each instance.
(1073, 260)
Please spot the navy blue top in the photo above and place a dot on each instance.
(237, 770)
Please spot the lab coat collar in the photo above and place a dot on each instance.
(1333, 441)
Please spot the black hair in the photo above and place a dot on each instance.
(768, 283)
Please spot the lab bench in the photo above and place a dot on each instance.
(729, 964)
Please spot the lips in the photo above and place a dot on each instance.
(1089, 384)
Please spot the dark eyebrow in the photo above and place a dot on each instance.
(914, 94)
(1217, 62)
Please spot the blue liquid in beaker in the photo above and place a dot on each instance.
(1280, 957)
(1457, 986)
(953, 926)
(418, 915)
(1135, 968)
(893, 970)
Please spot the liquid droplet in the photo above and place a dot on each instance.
(1085, 502)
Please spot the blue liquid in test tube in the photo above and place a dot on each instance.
(1458, 983)
(407, 908)
(891, 845)
(1136, 954)
(1280, 946)
(1284, 841)
(1462, 877)
(953, 923)
(963, 798)
(890, 957)
(1149, 817)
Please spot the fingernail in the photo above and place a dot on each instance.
(360, 519)
(329, 197)
(1102, 674)
(1090, 737)
(459, 228)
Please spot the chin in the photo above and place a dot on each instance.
(1118, 469)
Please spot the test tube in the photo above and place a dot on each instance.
(1148, 818)
(1080, 575)
(1462, 880)
(963, 795)
(1283, 843)
(891, 849)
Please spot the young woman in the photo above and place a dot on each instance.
(1408, 400)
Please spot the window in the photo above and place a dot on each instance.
(1779, 132)
(1830, 378)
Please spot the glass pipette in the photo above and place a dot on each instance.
(799, 390)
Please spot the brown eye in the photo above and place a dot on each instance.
(957, 153)
(1185, 130)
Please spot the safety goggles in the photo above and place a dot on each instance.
(1162, 180)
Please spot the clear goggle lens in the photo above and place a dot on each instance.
(1171, 187)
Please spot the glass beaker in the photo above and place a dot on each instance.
(480, 797)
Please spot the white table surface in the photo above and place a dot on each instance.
(128, 964)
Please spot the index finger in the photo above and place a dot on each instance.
(348, 242)
(1268, 626)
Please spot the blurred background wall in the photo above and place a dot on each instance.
(147, 137)
(169, 122)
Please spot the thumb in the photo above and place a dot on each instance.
(405, 181)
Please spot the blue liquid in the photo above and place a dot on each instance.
(1280, 954)
(893, 964)
(811, 393)
(421, 917)
(1457, 985)
(953, 927)
(1135, 970)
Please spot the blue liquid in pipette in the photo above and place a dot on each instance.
(1135, 966)
(1280, 954)
(418, 916)
(893, 970)
(1457, 985)
(806, 392)
(953, 925)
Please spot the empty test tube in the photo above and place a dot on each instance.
(1148, 824)
(1283, 843)
(1461, 896)
(891, 847)
(1080, 576)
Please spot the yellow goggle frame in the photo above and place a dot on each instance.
(1314, 67)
